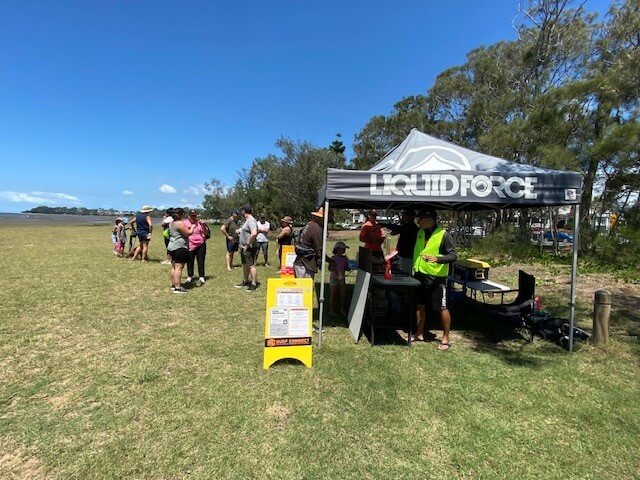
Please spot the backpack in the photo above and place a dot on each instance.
(303, 251)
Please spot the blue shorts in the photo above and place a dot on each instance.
(232, 246)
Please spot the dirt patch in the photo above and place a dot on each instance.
(280, 415)
(16, 462)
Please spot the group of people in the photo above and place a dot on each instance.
(185, 240)
(424, 250)
(249, 238)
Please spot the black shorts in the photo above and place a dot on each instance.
(180, 255)
(248, 256)
(232, 246)
(264, 246)
(432, 292)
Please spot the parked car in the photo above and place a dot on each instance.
(562, 237)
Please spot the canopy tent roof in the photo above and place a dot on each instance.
(426, 170)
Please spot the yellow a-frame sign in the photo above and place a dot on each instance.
(287, 328)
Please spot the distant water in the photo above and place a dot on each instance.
(52, 219)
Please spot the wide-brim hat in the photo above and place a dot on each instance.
(287, 219)
(146, 209)
(319, 213)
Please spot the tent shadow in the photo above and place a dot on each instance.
(488, 336)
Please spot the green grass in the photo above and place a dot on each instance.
(105, 374)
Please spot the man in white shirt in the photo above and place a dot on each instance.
(263, 239)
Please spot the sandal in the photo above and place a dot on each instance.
(444, 346)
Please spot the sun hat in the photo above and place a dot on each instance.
(319, 213)
(340, 245)
(286, 219)
(146, 209)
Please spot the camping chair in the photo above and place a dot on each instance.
(518, 312)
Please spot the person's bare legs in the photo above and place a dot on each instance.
(253, 275)
(136, 252)
(445, 317)
(176, 274)
(145, 248)
(229, 259)
(421, 315)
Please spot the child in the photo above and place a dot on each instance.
(115, 238)
(339, 265)
(122, 237)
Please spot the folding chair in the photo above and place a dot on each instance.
(518, 312)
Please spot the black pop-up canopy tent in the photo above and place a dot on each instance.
(424, 171)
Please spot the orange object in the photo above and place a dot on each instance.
(387, 270)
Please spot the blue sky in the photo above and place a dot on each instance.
(119, 104)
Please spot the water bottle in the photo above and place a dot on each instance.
(387, 270)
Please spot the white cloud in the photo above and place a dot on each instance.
(46, 198)
(184, 200)
(127, 192)
(20, 197)
(65, 196)
(195, 190)
(164, 188)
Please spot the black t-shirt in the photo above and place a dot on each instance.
(407, 240)
(231, 226)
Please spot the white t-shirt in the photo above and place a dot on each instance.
(261, 236)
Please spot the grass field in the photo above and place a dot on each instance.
(106, 374)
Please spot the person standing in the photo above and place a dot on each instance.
(197, 246)
(166, 221)
(248, 249)
(178, 248)
(309, 248)
(263, 239)
(407, 232)
(373, 237)
(144, 227)
(433, 252)
(230, 231)
(285, 235)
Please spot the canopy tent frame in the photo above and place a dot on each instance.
(424, 171)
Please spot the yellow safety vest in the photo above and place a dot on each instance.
(432, 247)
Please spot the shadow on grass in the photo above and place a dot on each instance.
(490, 336)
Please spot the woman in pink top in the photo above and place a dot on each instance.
(197, 246)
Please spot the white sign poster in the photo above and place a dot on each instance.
(287, 298)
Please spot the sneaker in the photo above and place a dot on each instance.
(179, 290)
(243, 284)
(251, 287)
(188, 280)
(165, 262)
(266, 264)
(202, 280)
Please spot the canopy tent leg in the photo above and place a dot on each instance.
(325, 229)
(574, 273)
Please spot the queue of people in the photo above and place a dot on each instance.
(424, 250)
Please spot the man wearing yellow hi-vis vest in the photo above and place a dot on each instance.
(434, 251)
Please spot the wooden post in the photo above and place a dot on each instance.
(601, 314)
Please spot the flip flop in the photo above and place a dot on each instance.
(443, 347)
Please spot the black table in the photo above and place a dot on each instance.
(398, 282)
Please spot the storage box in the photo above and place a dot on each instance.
(471, 269)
